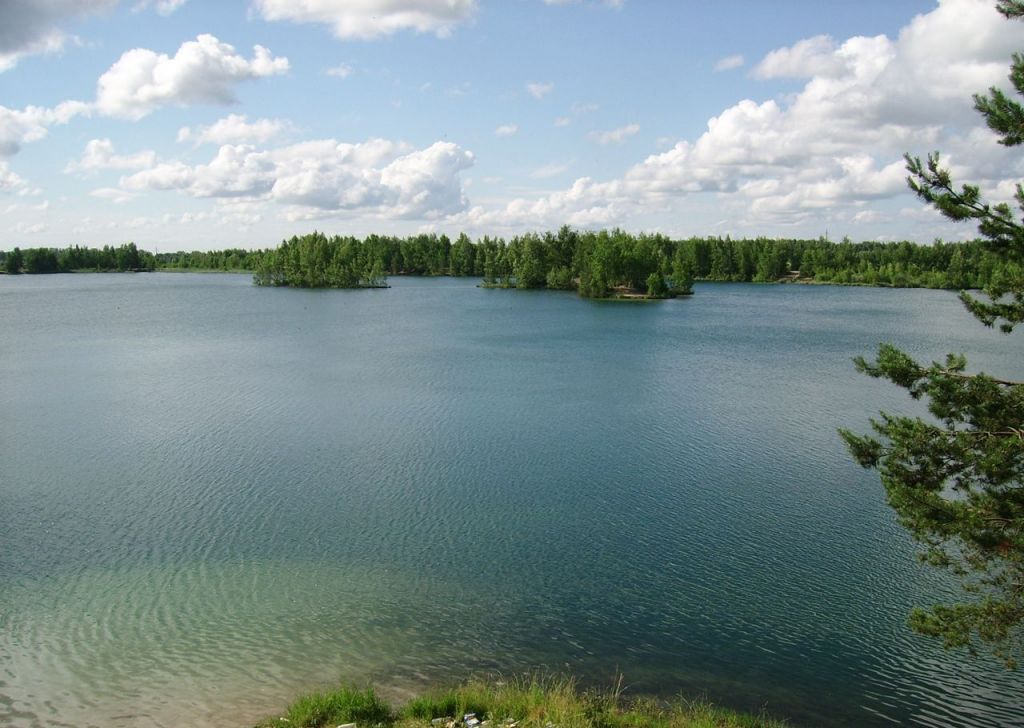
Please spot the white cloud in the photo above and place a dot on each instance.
(26, 228)
(31, 27)
(506, 130)
(372, 18)
(317, 178)
(614, 136)
(834, 149)
(562, 121)
(539, 90)
(9, 181)
(99, 154)
(342, 70)
(163, 7)
(580, 109)
(867, 217)
(31, 124)
(234, 129)
(115, 195)
(729, 63)
(202, 71)
(808, 58)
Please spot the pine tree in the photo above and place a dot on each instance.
(957, 482)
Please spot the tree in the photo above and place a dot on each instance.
(15, 261)
(957, 482)
(40, 260)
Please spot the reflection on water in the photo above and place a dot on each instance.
(215, 496)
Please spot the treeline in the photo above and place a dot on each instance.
(603, 263)
(613, 262)
(125, 257)
(901, 265)
(232, 259)
(615, 258)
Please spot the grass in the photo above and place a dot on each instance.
(532, 701)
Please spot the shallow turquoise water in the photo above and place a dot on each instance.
(216, 495)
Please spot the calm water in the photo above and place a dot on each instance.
(214, 496)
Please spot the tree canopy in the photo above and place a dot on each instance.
(956, 481)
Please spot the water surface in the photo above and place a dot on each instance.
(216, 495)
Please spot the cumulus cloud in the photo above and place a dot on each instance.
(506, 130)
(324, 177)
(27, 28)
(366, 19)
(729, 63)
(202, 71)
(833, 148)
(808, 58)
(20, 126)
(234, 129)
(539, 90)
(614, 136)
(9, 181)
(99, 154)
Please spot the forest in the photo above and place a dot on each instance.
(125, 257)
(597, 264)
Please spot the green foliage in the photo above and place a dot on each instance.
(15, 262)
(125, 257)
(656, 286)
(531, 701)
(560, 278)
(343, 705)
(316, 261)
(956, 482)
(232, 259)
(597, 263)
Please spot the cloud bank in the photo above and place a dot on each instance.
(830, 149)
(325, 178)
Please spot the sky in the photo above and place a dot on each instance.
(198, 125)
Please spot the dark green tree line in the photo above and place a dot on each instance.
(126, 257)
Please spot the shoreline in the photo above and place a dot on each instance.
(615, 297)
(530, 700)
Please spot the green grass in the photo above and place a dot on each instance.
(532, 701)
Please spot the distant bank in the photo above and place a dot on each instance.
(600, 264)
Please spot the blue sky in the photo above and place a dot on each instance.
(198, 125)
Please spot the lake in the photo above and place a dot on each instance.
(215, 496)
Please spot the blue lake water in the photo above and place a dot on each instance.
(214, 496)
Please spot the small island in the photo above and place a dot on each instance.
(316, 261)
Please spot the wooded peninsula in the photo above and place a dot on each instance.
(597, 264)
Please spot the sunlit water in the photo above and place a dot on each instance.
(214, 496)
